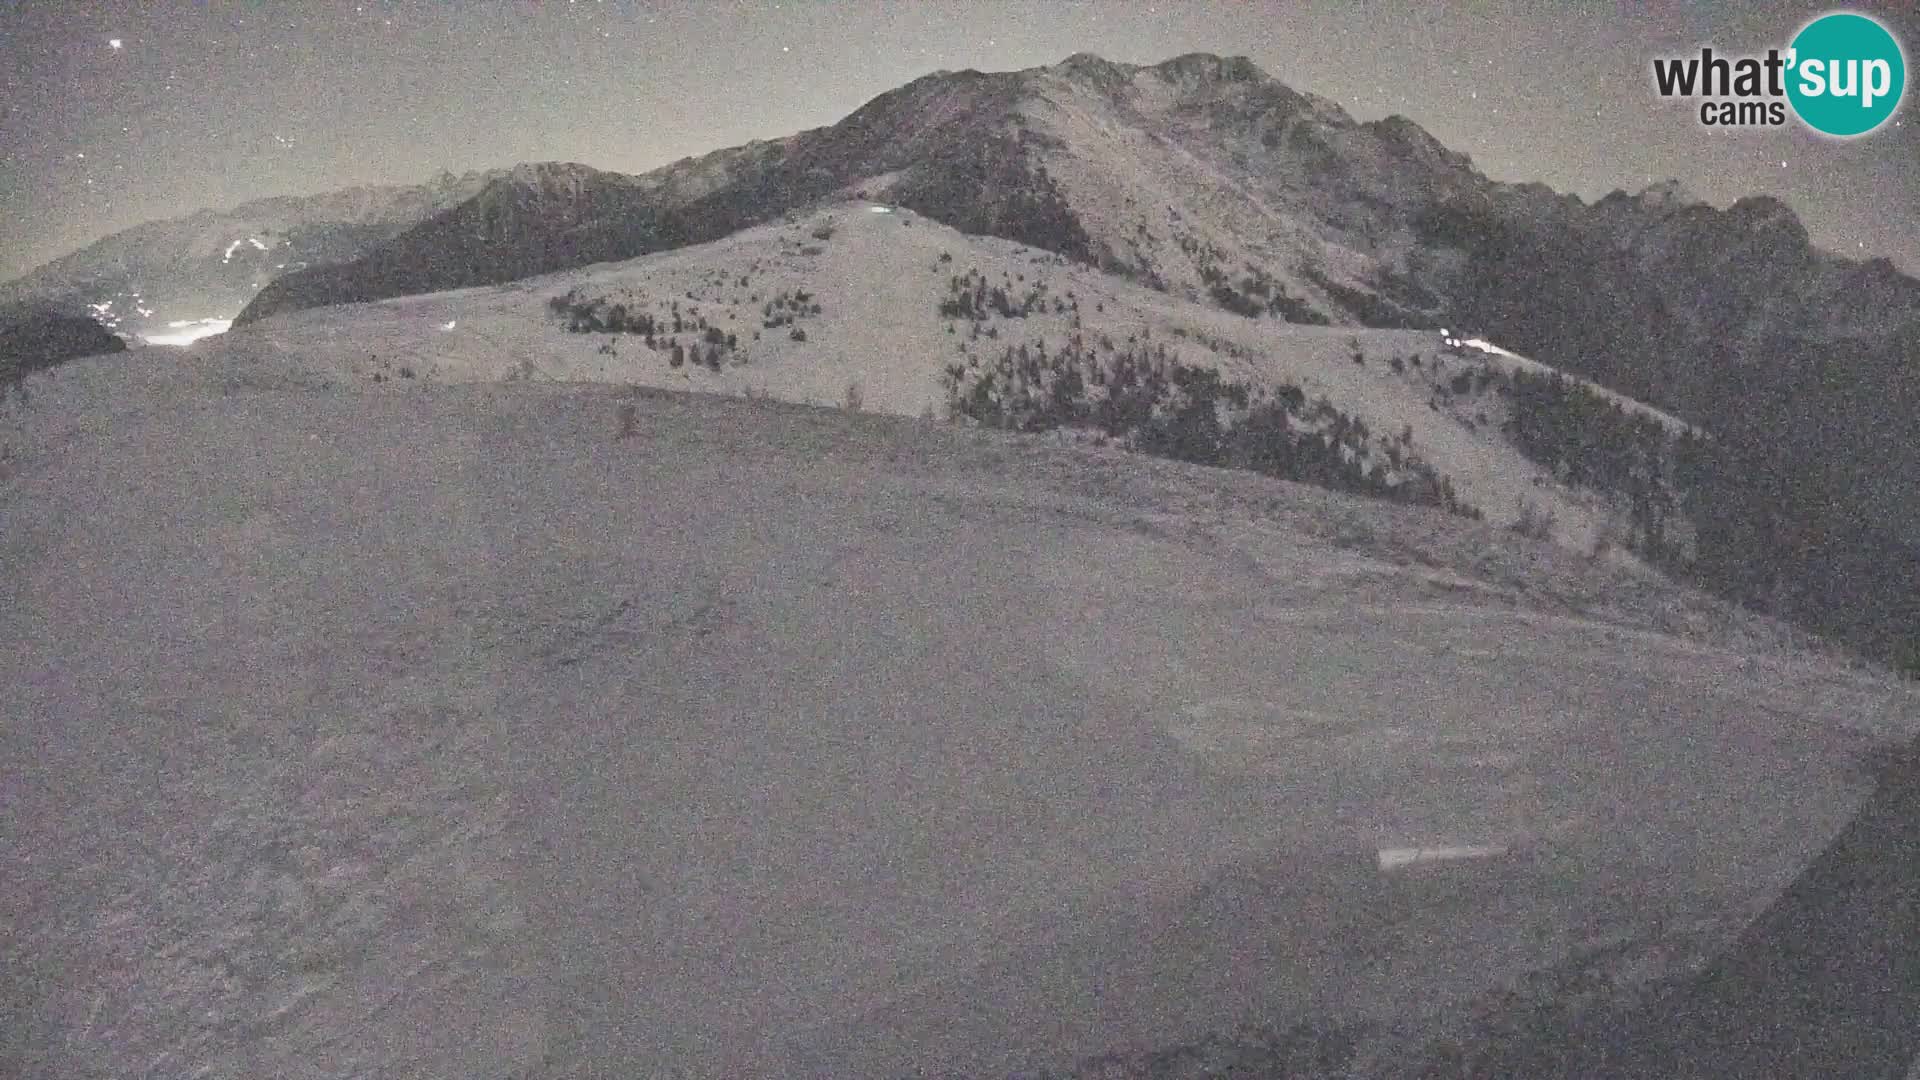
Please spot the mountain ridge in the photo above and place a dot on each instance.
(1205, 179)
(209, 263)
(961, 119)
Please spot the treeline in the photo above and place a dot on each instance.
(587, 316)
(1257, 294)
(1774, 523)
(1147, 398)
(708, 346)
(1781, 529)
(970, 297)
(1590, 440)
(1254, 295)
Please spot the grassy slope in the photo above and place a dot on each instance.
(446, 732)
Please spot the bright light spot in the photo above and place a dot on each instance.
(879, 210)
(231, 248)
(1485, 346)
(1395, 857)
(256, 243)
(190, 331)
(449, 324)
(113, 43)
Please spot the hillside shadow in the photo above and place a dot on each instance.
(1824, 983)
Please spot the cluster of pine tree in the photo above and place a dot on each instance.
(1148, 398)
(1780, 528)
(790, 306)
(1257, 294)
(996, 186)
(1768, 528)
(970, 297)
(1592, 441)
(710, 345)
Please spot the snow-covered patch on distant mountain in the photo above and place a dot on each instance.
(227, 255)
(187, 331)
(207, 265)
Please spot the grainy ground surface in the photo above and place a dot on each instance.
(446, 733)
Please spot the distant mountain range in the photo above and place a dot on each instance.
(208, 265)
(1205, 179)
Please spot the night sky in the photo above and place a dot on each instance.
(114, 112)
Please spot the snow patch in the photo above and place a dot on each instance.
(188, 331)
(1478, 344)
(1394, 858)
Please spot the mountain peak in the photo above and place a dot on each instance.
(1764, 213)
(1191, 70)
(1092, 62)
(1416, 142)
(537, 173)
(1096, 71)
(1667, 195)
(1199, 68)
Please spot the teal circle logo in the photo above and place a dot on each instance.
(1846, 74)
